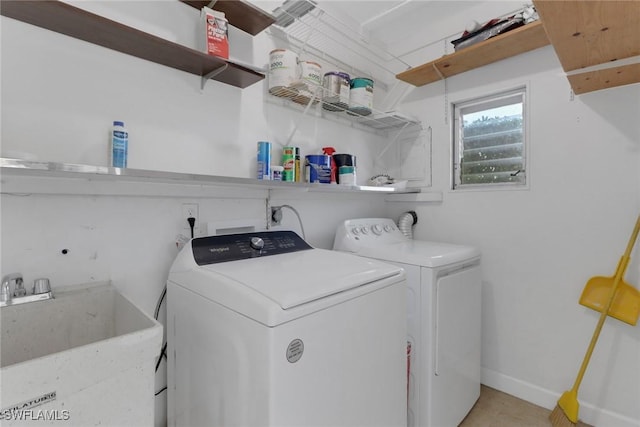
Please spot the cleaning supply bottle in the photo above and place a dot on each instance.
(264, 160)
(119, 145)
(334, 169)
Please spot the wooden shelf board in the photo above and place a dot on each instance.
(604, 79)
(71, 21)
(239, 13)
(421, 75)
(586, 33)
(520, 40)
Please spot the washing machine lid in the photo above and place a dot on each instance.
(282, 285)
(422, 253)
(297, 278)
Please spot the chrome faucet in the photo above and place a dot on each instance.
(41, 290)
(5, 291)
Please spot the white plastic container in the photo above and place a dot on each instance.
(309, 82)
(283, 71)
(347, 175)
(276, 172)
(336, 91)
(119, 145)
(361, 96)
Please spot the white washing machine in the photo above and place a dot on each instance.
(264, 330)
(443, 312)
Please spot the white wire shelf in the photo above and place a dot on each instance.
(377, 121)
(313, 33)
(310, 30)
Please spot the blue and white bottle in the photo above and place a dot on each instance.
(119, 145)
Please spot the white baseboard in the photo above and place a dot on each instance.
(548, 399)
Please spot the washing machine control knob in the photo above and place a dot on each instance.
(364, 230)
(257, 243)
(377, 230)
(355, 231)
(387, 228)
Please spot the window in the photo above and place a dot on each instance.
(489, 141)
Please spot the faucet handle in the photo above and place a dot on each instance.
(19, 290)
(41, 286)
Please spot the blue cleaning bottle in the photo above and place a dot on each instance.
(119, 145)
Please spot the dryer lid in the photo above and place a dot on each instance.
(422, 253)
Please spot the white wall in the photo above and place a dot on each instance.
(67, 93)
(539, 245)
(59, 97)
(542, 244)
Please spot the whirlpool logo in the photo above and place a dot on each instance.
(219, 250)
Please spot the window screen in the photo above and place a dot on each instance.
(489, 140)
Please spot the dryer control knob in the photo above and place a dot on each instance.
(364, 230)
(387, 228)
(376, 229)
(355, 231)
(257, 243)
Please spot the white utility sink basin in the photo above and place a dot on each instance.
(86, 357)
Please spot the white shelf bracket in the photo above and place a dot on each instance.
(211, 75)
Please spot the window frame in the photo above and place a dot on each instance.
(484, 102)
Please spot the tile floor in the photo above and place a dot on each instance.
(497, 409)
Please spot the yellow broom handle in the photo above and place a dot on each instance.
(624, 261)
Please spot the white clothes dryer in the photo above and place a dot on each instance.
(443, 317)
(264, 330)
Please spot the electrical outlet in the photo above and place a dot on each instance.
(276, 216)
(190, 210)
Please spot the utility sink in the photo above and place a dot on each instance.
(86, 357)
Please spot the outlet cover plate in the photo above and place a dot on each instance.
(190, 210)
